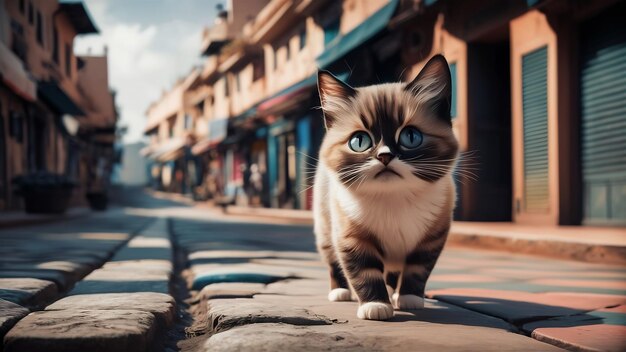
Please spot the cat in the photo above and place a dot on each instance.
(383, 189)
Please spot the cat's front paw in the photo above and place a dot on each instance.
(407, 301)
(339, 294)
(375, 311)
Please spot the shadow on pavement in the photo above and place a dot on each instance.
(136, 197)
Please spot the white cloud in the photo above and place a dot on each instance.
(143, 60)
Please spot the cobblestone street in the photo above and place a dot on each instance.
(111, 282)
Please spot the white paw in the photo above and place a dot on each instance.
(375, 311)
(339, 294)
(407, 301)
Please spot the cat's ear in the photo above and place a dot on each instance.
(433, 86)
(333, 92)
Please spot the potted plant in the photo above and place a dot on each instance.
(44, 192)
(97, 200)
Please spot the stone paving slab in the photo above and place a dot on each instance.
(227, 313)
(28, 292)
(122, 281)
(10, 313)
(598, 330)
(515, 307)
(438, 327)
(524, 285)
(60, 278)
(144, 264)
(230, 290)
(82, 330)
(161, 305)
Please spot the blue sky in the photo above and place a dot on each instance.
(150, 44)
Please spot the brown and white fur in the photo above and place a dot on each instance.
(382, 215)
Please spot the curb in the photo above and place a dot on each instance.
(594, 253)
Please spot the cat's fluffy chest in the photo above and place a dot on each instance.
(400, 220)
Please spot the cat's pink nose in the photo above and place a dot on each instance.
(384, 158)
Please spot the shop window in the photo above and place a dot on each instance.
(16, 126)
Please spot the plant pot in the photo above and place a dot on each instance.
(98, 201)
(41, 200)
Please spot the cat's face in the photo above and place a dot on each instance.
(391, 136)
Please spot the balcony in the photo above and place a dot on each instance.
(214, 38)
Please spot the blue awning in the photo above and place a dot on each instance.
(245, 115)
(343, 44)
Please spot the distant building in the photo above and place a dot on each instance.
(133, 168)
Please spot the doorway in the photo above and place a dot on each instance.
(3, 163)
(489, 129)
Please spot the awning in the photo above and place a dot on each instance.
(291, 95)
(244, 116)
(78, 16)
(218, 130)
(13, 74)
(343, 44)
(54, 96)
(169, 150)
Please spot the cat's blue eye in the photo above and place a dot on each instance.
(410, 138)
(360, 142)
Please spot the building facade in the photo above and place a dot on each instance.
(57, 113)
(538, 98)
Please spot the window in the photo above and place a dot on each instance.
(55, 45)
(23, 7)
(238, 81)
(39, 28)
(68, 60)
(31, 13)
(226, 87)
(188, 122)
(258, 69)
(331, 31)
(302, 38)
(287, 53)
(275, 59)
(453, 88)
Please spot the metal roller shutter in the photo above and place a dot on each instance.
(603, 118)
(535, 116)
